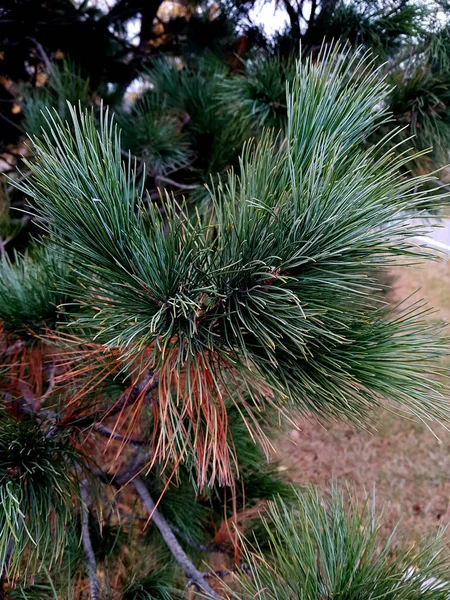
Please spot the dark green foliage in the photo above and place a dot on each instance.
(179, 121)
(420, 98)
(256, 478)
(256, 98)
(198, 115)
(40, 590)
(420, 102)
(373, 24)
(30, 290)
(37, 494)
(107, 540)
(182, 508)
(156, 586)
(66, 84)
(153, 132)
(331, 547)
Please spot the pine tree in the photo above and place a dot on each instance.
(320, 548)
(151, 341)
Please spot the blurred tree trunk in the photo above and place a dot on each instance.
(127, 9)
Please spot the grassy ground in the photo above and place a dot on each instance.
(403, 461)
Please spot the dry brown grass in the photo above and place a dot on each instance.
(402, 460)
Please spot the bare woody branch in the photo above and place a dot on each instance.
(194, 576)
(87, 543)
(147, 385)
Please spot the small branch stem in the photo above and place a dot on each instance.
(42, 53)
(181, 186)
(127, 399)
(195, 577)
(3, 243)
(87, 544)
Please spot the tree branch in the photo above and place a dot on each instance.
(293, 18)
(30, 405)
(181, 186)
(87, 544)
(127, 399)
(44, 57)
(312, 16)
(195, 577)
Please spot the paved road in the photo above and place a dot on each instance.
(438, 234)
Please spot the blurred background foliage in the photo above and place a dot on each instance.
(191, 81)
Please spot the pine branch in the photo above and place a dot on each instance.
(330, 546)
(128, 398)
(195, 577)
(271, 300)
(87, 543)
(29, 296)
(30, 405)
(37, 492)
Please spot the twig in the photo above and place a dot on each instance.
(130, 398)
(29, 406)
(43, 54)
(27, 395)
(50, 386)
(82, 6)
(195, 577)
(87, 544)
(127, 399)
(181, 186)
(34, 404)
(3, 243)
